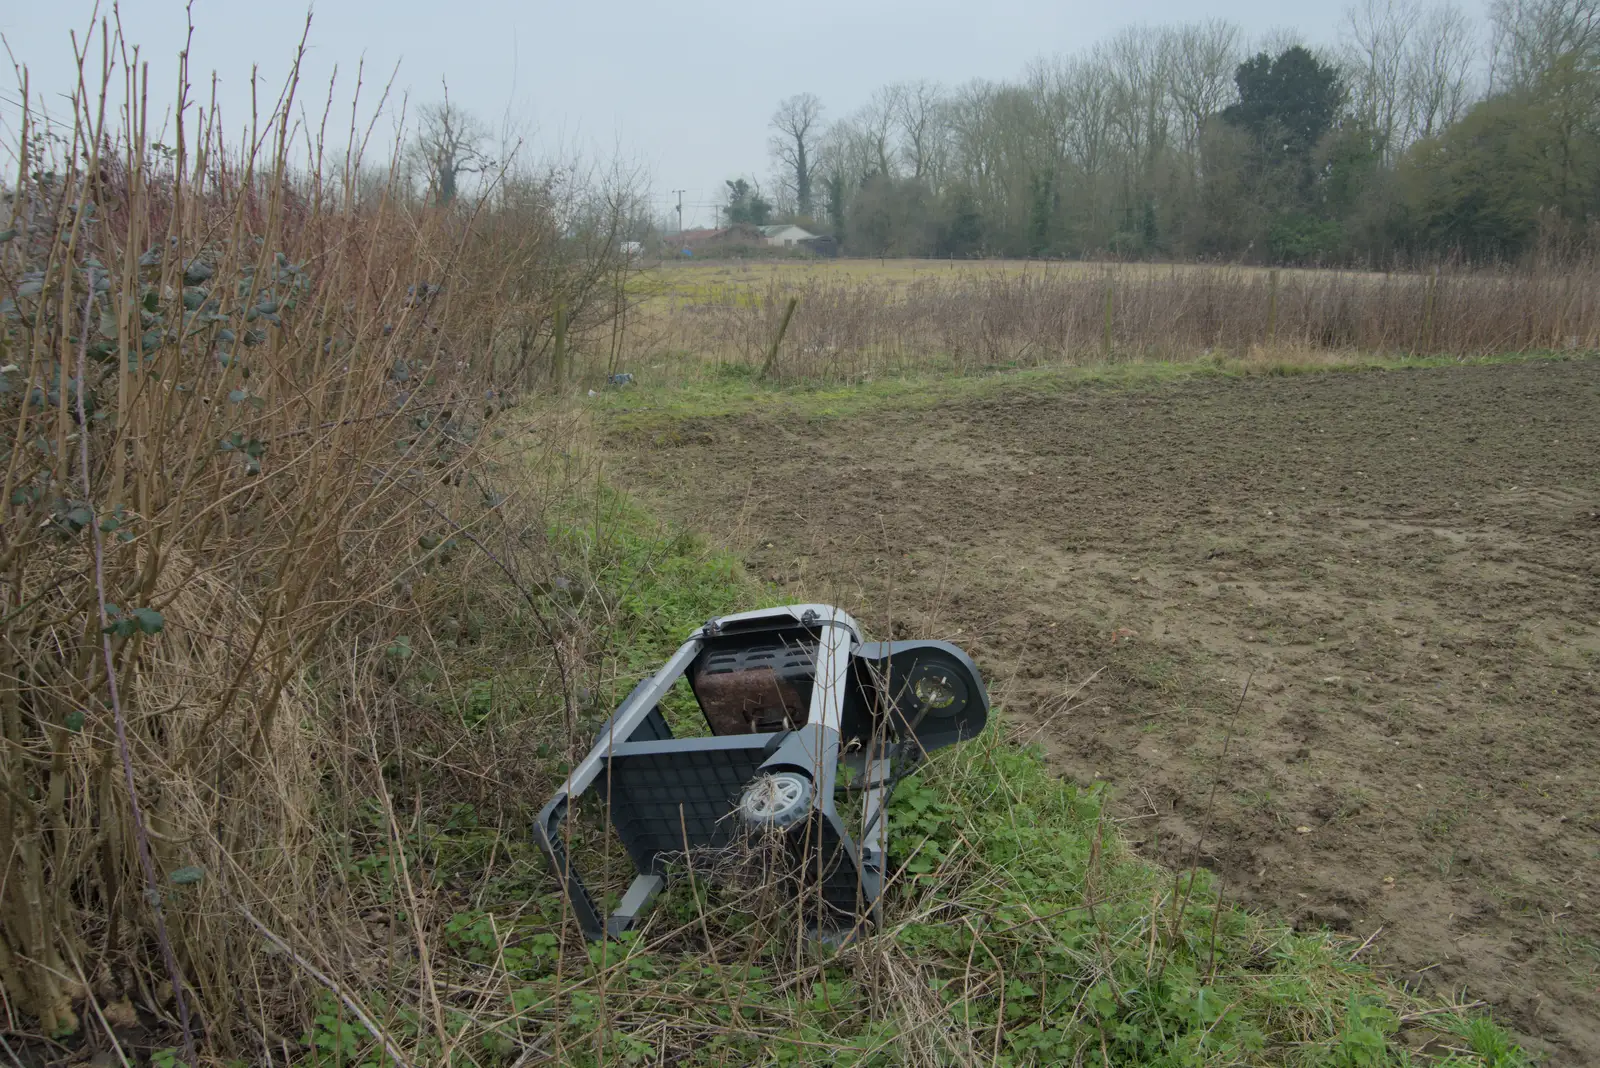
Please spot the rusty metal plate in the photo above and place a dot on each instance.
(752, 701)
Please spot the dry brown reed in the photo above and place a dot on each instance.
(1041, 316)
(246, 422)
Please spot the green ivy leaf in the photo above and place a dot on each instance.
(148, 620)
(75, 721)
(400, 648)
(187, 875)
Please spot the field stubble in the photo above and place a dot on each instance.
(859, 319)
(1404, 564)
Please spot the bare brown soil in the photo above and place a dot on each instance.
(1406, 565)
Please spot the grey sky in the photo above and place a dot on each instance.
(683, 89)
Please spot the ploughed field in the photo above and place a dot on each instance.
(1405, 565)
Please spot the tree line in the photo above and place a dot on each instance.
(1419, 136)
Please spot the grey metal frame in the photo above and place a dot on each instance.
(702, 776)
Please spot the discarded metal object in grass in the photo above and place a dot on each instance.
(790, 695)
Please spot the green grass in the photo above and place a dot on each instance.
(1020, 929)
(734, 390)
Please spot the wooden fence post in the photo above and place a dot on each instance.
(558, 355)
(1272, 307)
(1109, 314)
(783, 328)
(1428, 335)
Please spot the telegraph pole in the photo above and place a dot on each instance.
(680, 209)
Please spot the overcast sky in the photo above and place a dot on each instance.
(684, 90)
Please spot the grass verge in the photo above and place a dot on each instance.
(1020, 930)
(737, 390)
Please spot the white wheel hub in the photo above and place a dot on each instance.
(778, 800)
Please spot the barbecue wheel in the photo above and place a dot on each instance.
(781, 799)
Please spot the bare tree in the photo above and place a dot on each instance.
(1410, 68)
(1532, 38)
(1377, 46)
(1140, 65)
(845, 149)
(1085, 89)
(449, 144)
(875, 120)
(1439, 70)
(1203, 62)
(969, 125)
(797, 126)
(834, 155)
(1278, 39)
(976, 152)
(919, 114)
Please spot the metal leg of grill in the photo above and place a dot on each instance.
(642, 891)
(875, 836)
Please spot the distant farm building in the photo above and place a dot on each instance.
(826, 245)
(785, 235)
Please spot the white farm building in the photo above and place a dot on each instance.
(785, 235)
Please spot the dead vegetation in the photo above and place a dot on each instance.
(851, 326)
(248, 423)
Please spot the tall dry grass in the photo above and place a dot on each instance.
(1040, 316)
(247, 418)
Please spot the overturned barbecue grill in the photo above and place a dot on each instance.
(789, 694)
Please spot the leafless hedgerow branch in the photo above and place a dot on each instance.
(205, 351)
